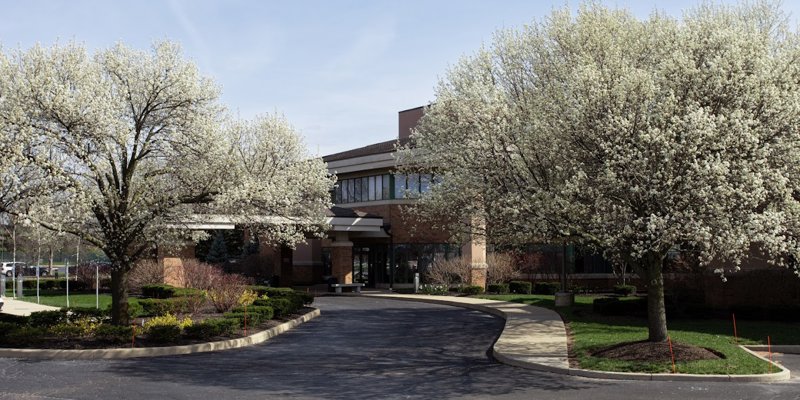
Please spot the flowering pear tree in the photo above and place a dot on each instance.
(140, 147)
(631, 136)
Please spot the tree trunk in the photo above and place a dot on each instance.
(119, 296)
(656, 311)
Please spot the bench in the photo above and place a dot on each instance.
(356, 286)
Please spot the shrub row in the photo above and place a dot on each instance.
(471, 290)
(29, 283)
(164, 291)
(211, 328)
(299, 299)
(519, 287)
(172, 305)
(624, 290)
(433, 289)
(498, 288)
(546, 287)
(254, 316)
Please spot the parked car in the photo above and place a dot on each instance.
(31, 271)
(9, 267)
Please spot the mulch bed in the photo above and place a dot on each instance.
(87, 343)
(645, 351)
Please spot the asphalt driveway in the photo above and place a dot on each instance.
(359, 348)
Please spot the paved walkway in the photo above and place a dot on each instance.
(533, 337)
(19, 307)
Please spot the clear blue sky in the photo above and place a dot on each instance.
(339, 70)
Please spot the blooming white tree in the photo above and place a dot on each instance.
(632, 136)
(139, 145)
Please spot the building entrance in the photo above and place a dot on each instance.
(370, 265)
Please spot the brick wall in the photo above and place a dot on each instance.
(405, 228)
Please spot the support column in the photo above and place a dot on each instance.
(287, 267)
(342, 258)
(474, 251)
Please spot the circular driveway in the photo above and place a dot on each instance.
(359, 348)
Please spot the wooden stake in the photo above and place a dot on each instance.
(672, 353)
(735, 335)
(769, 349)
(133, 335)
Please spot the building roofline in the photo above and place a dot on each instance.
(412, 108)
(375, 148)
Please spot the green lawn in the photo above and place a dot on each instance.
(591, 331)
(57, 298)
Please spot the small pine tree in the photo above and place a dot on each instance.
(218, 253)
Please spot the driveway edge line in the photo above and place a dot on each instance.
(96, 354)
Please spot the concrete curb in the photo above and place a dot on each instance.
(785, 349)
(95, 354)
(524, 361)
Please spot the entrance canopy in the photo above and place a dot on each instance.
(339, 220)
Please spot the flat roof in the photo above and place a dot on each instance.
(376, 148)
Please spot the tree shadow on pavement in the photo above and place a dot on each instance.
(372, 350)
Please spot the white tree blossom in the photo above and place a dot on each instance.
(134, 145)
(631, 136)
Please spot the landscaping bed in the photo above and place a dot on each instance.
(167, 317)
(591, 333)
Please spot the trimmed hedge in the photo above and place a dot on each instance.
(471, 290)
(164, 333)
(624, 290)
(266, 312)
(252, 319)
(210, 328)
(499, 288)
(14, 319)
(519, 287)
(113, 333)
(164, 291)
(23, 336)
(46, 319)
(281, 306)
(298, 297)
(546, 287)
(156, 307)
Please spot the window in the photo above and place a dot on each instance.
(381, 187)
(400, 186)
(357, 190)
(424, 183)
(386, 188)
(413, 186)
(372, 189)
(350, 191)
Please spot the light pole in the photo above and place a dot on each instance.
(66, 275)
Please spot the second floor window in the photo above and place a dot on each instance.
(381, 187)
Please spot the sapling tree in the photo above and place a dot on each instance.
(629, 136)
(140, 148)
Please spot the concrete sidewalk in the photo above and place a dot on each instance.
(19, 307)
(534, 337)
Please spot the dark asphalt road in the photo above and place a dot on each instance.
(359, 348)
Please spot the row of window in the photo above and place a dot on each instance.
(381, 187)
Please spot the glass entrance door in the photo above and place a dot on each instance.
(370, 265)
(361, 272)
